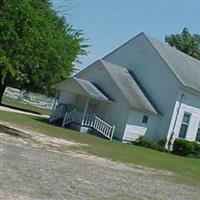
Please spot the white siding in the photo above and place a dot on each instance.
(135, 128)
(80, 102)
(153, 73)
(66, 97)
(190, 104)
(115, 113)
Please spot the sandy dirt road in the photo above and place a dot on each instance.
(45, 168)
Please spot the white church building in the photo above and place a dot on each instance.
(144, 87)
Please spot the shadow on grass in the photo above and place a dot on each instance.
(57, 123)
(43, 120)
(21, 109)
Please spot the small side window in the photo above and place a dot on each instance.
(145, 119)
(184, 125)
(198, 134)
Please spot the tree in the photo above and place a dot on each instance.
(37, 46)
(185, 42)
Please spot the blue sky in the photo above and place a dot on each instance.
(108, 24)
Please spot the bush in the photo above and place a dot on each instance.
(183, 147)
(145, 142)
(180, 147)
(196, 150)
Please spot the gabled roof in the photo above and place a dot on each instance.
(184, 67)
(130, 88)
(84, 87)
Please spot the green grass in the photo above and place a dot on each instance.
(24, 106)
(187, 169)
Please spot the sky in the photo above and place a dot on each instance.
(107, 24)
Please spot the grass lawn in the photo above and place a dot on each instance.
(24, 106)
(187, 169)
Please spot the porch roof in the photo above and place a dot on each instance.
(83, 87)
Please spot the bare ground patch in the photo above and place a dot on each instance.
(36, 166)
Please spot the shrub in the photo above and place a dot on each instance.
(145, 142)
(180, 147)
(183, 147)
(196, 149)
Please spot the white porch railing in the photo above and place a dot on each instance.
(89, 120)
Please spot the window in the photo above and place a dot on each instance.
(198, 134)
(145, 119)
(185, 124)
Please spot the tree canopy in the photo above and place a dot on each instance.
(37, 46)
(185, 42)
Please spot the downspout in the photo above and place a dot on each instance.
(169, 142)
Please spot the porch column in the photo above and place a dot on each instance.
(85, 110)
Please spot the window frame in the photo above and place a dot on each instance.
(198, 132)
(185, 124)
(145, 119)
